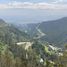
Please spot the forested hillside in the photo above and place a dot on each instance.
(10, 34)
(56, 31)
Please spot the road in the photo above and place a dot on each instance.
(40, 33)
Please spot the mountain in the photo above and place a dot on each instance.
(9, 34)
(18, 50)
(54, 32)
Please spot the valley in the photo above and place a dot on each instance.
(34, 45)
(53, 31)
(33, 33)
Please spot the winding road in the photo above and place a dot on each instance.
(40, 34)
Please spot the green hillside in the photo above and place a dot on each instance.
(10, 34)
(56, 31)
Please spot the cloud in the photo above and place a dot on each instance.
(58, 1)
(29, 5)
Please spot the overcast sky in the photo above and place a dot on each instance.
(5, 1)
(30, 11)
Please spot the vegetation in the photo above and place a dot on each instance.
(38, 54)
(31, 57)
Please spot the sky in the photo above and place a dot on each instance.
(32, 11)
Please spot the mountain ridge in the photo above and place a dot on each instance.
(55, 30)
